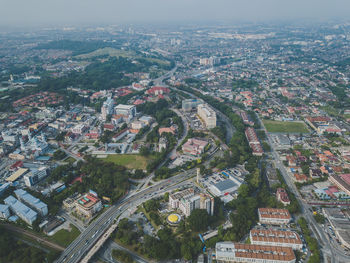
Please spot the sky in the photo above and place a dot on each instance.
(80, 12)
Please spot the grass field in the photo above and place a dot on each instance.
(112, 52)
(130, 161)
(64, 237)
(285, 126)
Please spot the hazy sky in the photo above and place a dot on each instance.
(68, 12)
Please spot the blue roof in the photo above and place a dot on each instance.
(3, 208)
(21, 209)
(225, 185)
(31, 200)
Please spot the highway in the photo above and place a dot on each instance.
(80, 246)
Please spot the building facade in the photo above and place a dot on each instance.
(227, 252)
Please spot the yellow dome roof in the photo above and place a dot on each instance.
(173, 218)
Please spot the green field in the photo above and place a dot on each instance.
(285, 126)
(130, 161)
(112, 52)
(108, 51)
(64, 237)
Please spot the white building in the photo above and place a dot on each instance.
(80, 128)
(274, 216)
(270, 237)
(129, 111)
(207, 115)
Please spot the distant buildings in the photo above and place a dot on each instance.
(155, 91)
(207, 115)
(278, 238)
(194, 146)
(227, 252)
(21, 210)
(212, 61)
(274, 216)
(254, 142)
(246, 119)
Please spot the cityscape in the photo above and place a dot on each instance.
(189, 142)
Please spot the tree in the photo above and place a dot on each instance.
(144, 151)
(198, 220)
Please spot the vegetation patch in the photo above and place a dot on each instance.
(130, 161)
(285, 126)
(64, 237)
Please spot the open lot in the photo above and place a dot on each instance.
(64, 237)
(130, 161)
(285, 126)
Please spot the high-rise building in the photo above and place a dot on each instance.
(107, 108)
(207, 115)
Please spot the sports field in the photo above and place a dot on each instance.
(285, 126)
(130, 161)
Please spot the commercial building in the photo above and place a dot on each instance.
(31, 201)
(88, 205)
(126, 110)
(282, 196)
(21, 210)
(224, 187)
(207, 115)
(35, 176)
(4, 211)
(342, 181)
(276, 238)
(236, 252)
(340, 223)
(190, 104)
(274, 216)
(194, 146)
(16, 175)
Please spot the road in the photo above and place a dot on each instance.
(80, 246)
(327, 249)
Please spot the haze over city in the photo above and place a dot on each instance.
(79, 12)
